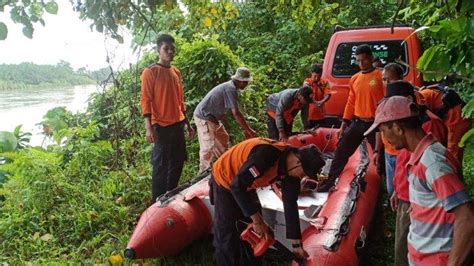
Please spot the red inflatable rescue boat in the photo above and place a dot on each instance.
(334, 225)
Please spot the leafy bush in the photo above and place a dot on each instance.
(468, 166)
(204, 65)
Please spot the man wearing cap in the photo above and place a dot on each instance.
(213, 138)
(399, 200)
(282, 108)
(365, 91)
(236, 175)
(441, 230)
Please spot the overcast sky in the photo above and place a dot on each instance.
(64, 37)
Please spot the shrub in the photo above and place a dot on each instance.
(204, 64)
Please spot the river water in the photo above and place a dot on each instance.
(28, 106)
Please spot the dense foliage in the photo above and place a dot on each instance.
(29, 74)
(78, 201)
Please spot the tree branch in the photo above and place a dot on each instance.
(455, 75)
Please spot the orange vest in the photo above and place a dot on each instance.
(320, 89)
(288, 114)
(225, 169)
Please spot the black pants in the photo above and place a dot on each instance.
(167, 159)
(229, 249)
(273, 132)
(351, 139)
(318, 123)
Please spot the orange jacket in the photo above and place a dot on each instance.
(432, 98)
(320, 89)
(226, 168)
(255, 163)
(365, 92)
(288, 114)
(162, 95)
(457, 125)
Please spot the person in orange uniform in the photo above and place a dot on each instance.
(321, 94)
(365, 91)
(282, 108)
(391, 72)
(162, 103)
(448, 106)
(237, 174)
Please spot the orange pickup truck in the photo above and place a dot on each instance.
(340, 64)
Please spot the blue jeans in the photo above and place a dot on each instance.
(390, 161)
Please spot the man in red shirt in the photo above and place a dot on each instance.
(321, 94)
(391, 73)
(441, 230)
(162, 102)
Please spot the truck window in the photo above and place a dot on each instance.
(345, 64)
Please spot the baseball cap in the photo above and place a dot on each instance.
(311, 160)
(391, 109)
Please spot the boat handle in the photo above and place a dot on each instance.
(360, 242)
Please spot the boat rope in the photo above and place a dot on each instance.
(170, 195)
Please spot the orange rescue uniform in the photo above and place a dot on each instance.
(365, 92)
(225, 169)
(320, 89)
(164, 100)
(457, 125)
(289, 113)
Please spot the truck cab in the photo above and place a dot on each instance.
(340, 63)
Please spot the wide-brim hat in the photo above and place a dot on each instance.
(242, 74)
